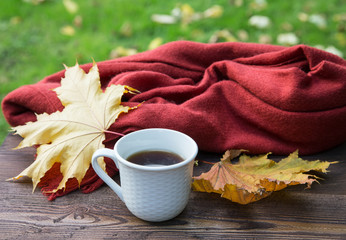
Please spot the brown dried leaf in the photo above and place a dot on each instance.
(254, 178)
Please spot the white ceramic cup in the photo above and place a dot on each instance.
(152, 193)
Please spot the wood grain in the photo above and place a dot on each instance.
(293, 213)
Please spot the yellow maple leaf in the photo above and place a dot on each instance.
(254, 178)
(71, 136)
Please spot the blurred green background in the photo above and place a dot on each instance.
(38, 36)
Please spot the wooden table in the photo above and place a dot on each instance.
(293, 213)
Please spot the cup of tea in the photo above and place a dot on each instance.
(155, 167)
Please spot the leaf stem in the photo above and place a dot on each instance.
(206, 162)
(113, 133)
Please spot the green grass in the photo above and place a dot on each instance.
(32, 46)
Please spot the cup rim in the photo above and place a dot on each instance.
(161, 168)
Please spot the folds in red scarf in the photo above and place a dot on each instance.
(263, 98)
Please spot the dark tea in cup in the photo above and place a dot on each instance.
(155, 158)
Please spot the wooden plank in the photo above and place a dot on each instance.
(293, 213)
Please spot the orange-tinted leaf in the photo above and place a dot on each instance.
(254, 178)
